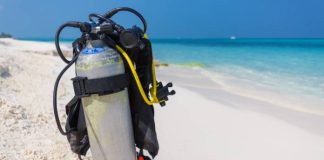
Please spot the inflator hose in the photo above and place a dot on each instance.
(114, 11)
(137, 80)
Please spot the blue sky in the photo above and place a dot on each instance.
(174, 18)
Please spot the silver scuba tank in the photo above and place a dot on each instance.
(108, 117)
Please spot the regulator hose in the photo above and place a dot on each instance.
(100, 17)
(114, 11)
(84, 27)
(57, 119)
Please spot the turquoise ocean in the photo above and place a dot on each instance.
(290, 65)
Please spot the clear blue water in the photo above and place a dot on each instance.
(296, 65)
(293, 64)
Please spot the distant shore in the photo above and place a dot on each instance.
(209, 117)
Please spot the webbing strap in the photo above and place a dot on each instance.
(107, 85)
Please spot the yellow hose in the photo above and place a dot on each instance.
(137, 80)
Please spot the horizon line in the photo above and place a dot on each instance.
(177, 38)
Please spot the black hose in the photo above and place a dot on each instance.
(57, 119)
(72, 24)
(57, 37)
(100, 17)
(112, 12)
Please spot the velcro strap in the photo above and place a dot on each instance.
(107, 85)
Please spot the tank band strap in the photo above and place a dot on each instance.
(85, 87)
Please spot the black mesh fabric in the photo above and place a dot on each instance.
(143, 114)
(76, 127)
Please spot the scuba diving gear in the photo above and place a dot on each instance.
(112, 110)
(106, 105)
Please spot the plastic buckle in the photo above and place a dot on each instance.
(79, 86)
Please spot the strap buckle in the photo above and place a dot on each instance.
(79, 86)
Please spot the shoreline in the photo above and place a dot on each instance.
(252, 90)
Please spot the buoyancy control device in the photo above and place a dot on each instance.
(115, 89)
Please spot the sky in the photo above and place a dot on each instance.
(173, 18)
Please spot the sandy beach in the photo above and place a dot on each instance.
(205, 120)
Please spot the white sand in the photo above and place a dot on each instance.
(28, 129)
(203, 121)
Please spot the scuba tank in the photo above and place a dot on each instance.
(112, 110)
(108, 117)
